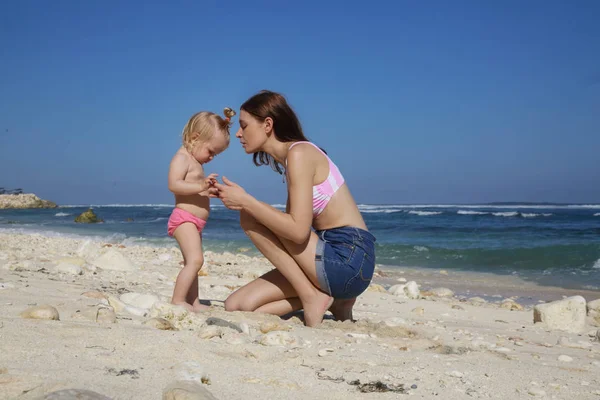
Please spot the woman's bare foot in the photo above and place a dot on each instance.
(316, 307)
(342, 309)
(200, 307)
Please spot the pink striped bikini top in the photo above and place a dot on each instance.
(324, 191)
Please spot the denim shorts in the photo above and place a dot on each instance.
(345, 260)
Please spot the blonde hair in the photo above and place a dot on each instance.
(202, 126)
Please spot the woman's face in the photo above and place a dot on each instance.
(252, 132)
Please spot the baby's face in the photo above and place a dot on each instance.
(205, 152)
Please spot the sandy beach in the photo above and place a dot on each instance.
(110, 329)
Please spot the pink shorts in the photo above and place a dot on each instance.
(179, 216)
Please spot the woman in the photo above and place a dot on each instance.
(312, 268)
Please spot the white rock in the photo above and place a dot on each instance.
(455, 374)
(278, 338)
(140, 300)
(106, 315)
(116, 304)
(565, 358)
(412, 290)
(403, 280)
(442, 292)
(65, 268)
(536, 392)
(41, 312)
(187, 390)
(177, 315)
(394, 321)
(114, 261)
(567, 314)
(409, 290)
(593, 307)
(210, 331)
(245, 328)
(477, 300)
(324, 352)
(140, 312)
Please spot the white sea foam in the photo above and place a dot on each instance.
(381, 211)
(420, 248)
(469, 212)
(61, 214)
(506, 214)
(533, 215)
(425, 213)
(597, 264)
(597, 215)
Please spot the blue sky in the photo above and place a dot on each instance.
(427, 102)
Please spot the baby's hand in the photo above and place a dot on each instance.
(210, 180)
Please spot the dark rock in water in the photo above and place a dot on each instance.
(74, 394)
(129, 220)
(88, 217)
(221, 322)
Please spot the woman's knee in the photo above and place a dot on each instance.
(238, 303)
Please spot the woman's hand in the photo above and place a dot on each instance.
(231, 194)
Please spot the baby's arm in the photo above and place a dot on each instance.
(177, 173)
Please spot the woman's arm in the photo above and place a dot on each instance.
(293, 225)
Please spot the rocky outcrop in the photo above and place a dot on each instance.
(566, 315)
(26, 200)
(88, 217)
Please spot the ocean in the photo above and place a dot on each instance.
(550, 244)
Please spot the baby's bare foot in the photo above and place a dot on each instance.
(187, 306)
(315, 308)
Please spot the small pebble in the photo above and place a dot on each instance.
(41, 312)
(536, 392)
(565, 358)
(324, 352)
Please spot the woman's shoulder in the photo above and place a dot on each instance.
(303, 152)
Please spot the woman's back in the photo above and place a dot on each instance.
(333, 204)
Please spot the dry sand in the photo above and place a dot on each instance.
(428, 348)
